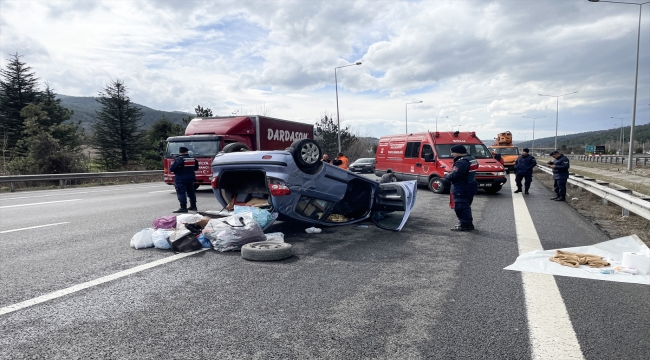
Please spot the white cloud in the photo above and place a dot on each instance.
(480, 63)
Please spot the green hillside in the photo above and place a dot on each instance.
(608, 138)
(84, 108)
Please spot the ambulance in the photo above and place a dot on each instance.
(426, 158)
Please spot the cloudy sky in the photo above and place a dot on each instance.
(475, 63)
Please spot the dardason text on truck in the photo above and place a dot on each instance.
(206, 137)
(426, 158)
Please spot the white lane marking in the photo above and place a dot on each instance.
(169, 191)
(75, 288)
(75, 193)
(41, 203)
(550, 330)
(34, 227)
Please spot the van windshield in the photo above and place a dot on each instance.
(479, 151)
(506, 151)
(203, 148)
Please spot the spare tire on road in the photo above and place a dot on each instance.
(266, 251)
(235, 147)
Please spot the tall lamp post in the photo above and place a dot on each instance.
(532, 149)
(557, 110)
(440, 118)
(620, 136)
(336, 83)
(636, 77)
(407, 114)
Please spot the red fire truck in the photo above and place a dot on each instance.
(426, 157)
(205, 137)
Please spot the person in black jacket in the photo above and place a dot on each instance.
(184, 168)
(524, 166)
(463, 186)
(560, 166)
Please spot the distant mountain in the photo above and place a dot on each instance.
(607, 138)
(84, 108)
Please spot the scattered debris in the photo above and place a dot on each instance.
(313, 230)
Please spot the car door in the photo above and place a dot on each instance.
(393, 203)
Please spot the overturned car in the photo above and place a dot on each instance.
(295, 184)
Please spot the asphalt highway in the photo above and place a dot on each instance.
(350, 292)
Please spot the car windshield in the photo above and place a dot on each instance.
(478, 151)
(506, 151)
(364, 161)
(207, 148)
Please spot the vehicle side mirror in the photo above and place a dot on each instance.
(428, 157)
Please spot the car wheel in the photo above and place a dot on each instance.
(438, 185)
(492, 190)
(387, 178)
(266, 251)
(235, 147)
(306, 153)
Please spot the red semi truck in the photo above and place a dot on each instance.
(205, 137)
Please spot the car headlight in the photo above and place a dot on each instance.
(502, 173)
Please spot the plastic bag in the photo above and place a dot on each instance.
(165, 222)
(187, 219)
(261, 216)
(205, 242)
(276, 237)
(159, 238)
(142, 239)
(233, 232)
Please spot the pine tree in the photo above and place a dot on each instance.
(18, 88)
(327, 136)
(117, 129)
(69, 134)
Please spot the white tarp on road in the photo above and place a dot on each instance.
(538, 261)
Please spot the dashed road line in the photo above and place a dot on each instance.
(33, 227)
(550, 330)
(40, 203)
(88, 284)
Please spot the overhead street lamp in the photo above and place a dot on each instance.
(532, 148)
(443, 117)
(620, 136)
(407, 114)
(557, 110)
(636, 77)
(336, 83)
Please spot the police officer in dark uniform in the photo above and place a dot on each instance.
(184, 168)
(560, 166)
(524, 166)
(463, 186)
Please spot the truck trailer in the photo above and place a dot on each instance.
(205, 137)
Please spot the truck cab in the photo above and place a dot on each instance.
(503, 146)
(426, 158)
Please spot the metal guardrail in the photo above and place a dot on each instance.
(11, 179)
(612, 159)
(620, 196)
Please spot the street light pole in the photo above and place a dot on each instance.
(532, 149)
(336, 83)
(557, 110)
(407, 114)
(636, 77)
(437, 121)
(619, 135)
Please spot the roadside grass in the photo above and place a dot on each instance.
(608, 218)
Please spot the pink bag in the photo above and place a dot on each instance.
(165, 222)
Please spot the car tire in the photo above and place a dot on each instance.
(266, 251)
(235, 147)
(438, 185)
(492, 190)
(306, 153)
(388, 178)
